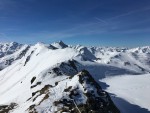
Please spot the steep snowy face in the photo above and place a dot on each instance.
(37, 59)
(85, 53)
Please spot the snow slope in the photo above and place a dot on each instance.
(135, 89)
(47, 57)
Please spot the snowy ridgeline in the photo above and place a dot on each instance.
(134, 59)
(48, 78)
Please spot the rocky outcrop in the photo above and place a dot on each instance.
(81, 94)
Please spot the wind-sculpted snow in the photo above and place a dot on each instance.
(47, 77)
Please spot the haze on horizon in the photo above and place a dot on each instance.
(87, 22)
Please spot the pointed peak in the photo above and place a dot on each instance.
(52, 47)
(16, 43)
(13, 42)
(40, 43)
(61, 41)
(60, 44)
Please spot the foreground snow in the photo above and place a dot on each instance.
(134, 89)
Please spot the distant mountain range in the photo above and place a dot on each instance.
(60, 78)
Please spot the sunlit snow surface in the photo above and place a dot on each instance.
(134, 89)
(130, 92)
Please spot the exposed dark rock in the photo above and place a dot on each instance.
(127, 63)
(98, 101)
(57, 71)
(38, 83)
(9, 62)
(33, 79)
(7, 108)
(28, 58)
(23, 53)
(32, 109)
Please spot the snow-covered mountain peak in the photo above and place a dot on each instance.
(59, 45)
(9, 45)
(145, 49)
(40, 45)
(9, 48)
(14, 43)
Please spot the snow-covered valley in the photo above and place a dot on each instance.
(60, 78)
(134, 89)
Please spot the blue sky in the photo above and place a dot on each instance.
(88, 22)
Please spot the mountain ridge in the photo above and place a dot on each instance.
(37, 70)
